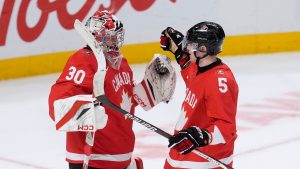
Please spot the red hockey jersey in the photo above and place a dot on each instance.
(113, 144)
(210, 103)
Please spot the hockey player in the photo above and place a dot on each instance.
(208, 114)
(74, 109)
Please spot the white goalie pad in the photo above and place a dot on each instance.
(158, 84)
(78, 113)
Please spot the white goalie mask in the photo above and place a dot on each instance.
(109, 33)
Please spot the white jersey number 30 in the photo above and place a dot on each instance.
(76, 75)
(223, 85)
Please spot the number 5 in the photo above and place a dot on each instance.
(222, 85)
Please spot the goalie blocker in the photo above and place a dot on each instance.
(79, 113)
(158, 84)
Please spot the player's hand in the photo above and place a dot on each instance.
(100, 116)
(171, 40)
(188, 139)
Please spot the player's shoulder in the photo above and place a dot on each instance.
(82, 56)
(125, 64)
(124, 61)
(221, 70)
(189, 72)
(85, 52)
(219, 74)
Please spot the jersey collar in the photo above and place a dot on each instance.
(210, 66)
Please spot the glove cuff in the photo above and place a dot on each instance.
(209, 135)
(182, 58)
(96, 103)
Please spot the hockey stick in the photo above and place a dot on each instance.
(100, 74)
(89, 38)
(89, 140)
(157, 130)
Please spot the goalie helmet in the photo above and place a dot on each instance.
(109, 33)
(208, 34)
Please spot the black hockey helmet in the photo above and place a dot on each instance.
(208, 34)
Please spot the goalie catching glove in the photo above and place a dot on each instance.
(79, 113)
(158, 84)
(188, 139)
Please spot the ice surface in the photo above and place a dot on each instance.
(268, 118)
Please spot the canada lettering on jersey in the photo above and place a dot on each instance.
(122, 78)
(190, 98)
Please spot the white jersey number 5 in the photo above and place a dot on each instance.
(223, 85)
(76, 75)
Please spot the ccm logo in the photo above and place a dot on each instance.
(139, 100)
(85, 127)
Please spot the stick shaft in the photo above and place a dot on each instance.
(157, 130)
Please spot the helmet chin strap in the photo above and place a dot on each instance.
(202, 49)
(199, 58)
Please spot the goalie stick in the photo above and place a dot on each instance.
(101, 71)
(89, 38)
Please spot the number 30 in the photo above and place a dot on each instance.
(223, 85)
(76, 75)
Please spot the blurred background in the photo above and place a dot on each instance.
(37, 37)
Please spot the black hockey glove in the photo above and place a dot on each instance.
(187, 140)
(175, 38)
